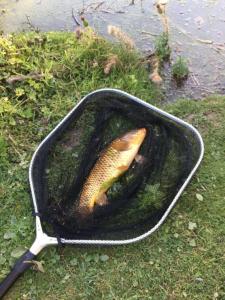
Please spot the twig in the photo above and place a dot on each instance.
(107, 11)
(120, 12)
(149, 33)
(14, 144)
(32, 27)
(209, 42)
(14, 78)
(195, 80)
(75, 19)
(99, 4)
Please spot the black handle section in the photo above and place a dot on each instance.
(21, 265)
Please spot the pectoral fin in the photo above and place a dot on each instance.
(102, 200)
(123, 168)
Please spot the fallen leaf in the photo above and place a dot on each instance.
(104, 257)
(192, 243)
(2, 260)
(37, 265)
(155, 65)
(17, 252)
(199, 197)
(135, 283)
(79, 32)
(74, 262)
(199, 279)
(111, 62)
(192, 225)
(9, 235)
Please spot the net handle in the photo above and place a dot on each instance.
(25, 261)
(22, 264)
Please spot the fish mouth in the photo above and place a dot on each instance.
(142, 131)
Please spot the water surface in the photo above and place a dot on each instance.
(197, 32)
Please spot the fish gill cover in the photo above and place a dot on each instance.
(139, 198)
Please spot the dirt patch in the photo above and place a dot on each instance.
(213, 118)
(190, 118)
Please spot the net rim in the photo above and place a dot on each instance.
(116, 92)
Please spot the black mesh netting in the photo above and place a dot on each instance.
(138, 200)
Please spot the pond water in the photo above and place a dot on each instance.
(197, 32)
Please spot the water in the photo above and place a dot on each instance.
(197, 32)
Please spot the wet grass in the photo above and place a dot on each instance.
(183, 260)
(180, 69)
(162, 48)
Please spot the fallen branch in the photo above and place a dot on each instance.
(14, 78)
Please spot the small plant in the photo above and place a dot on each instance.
(180, 69)
(162, 48)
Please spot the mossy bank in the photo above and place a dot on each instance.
(184, 259)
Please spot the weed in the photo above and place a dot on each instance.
(180, 69)
(162, 48)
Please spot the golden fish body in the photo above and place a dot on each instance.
(112, 163)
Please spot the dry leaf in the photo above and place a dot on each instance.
(110, 63)
(161, 9)
(78, 32)
(199, 197)
(155, 76)
(14, 78)
(192, 225)
(37, 265)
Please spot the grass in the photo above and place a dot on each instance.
(180, 69)
(162, 48)
(183, 260)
